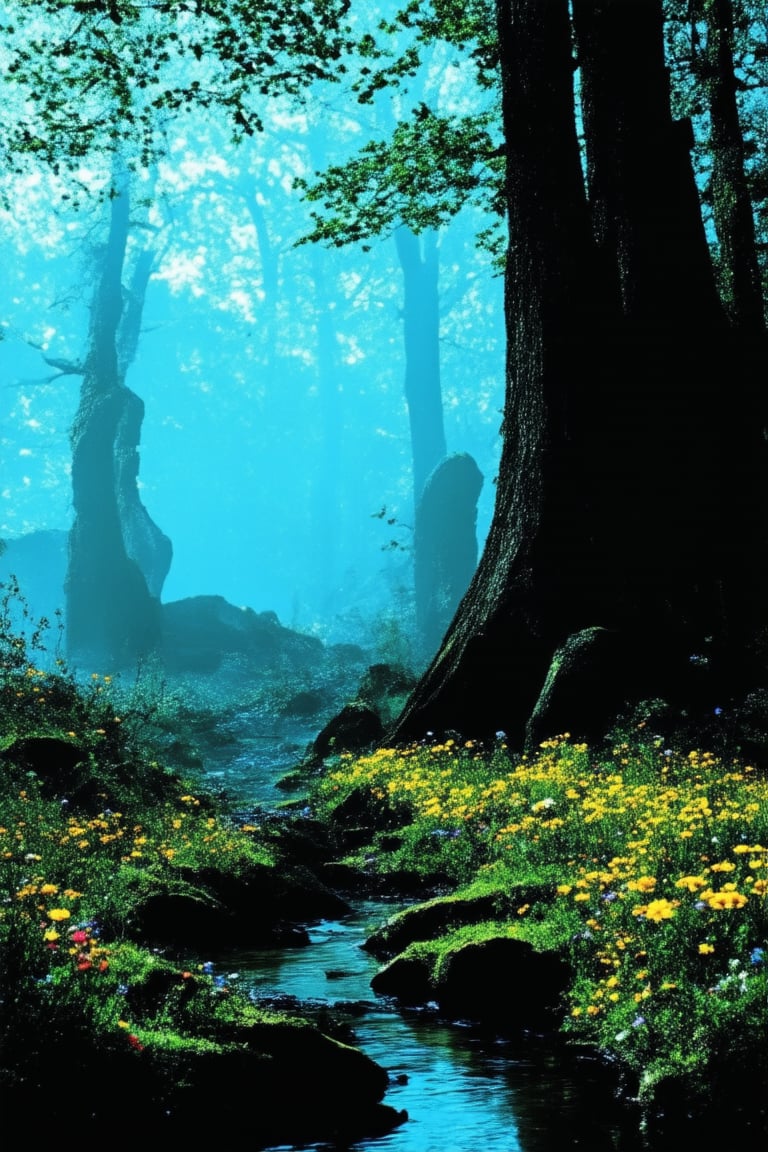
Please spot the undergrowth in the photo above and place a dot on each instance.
(652, 866)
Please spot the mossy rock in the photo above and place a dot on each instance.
(255, 908)
(433, 918)
(353, 729)
(494, 977)
(407, 978)
(281, 1082)
(361, 809)
(505, 980)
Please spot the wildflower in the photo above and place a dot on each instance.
(757, 956)
(49, 889)
(706, 949)
(726, 900)
(134, 1042)
(692, 883)
(642, 884)
(59, 914)
(660, 910)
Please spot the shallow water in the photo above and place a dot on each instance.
(465, 1089)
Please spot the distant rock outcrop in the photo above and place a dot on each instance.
(198, 632)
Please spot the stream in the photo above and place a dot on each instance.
(465, 1089)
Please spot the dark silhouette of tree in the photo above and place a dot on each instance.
(118, 558)
(626, 558)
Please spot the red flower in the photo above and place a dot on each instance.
(135, 1042)
(84, 965)
(103, 965)
(79, 937)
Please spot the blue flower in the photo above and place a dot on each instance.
(757, 956)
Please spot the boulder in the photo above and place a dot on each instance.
(256, 908)
(495, 978)
(406, 978)
(429, 920)
(355, 728)
(199, 631)
(504, 980)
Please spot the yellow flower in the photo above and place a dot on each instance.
(705, 949)
(660, 910)
(727, 900)
(642, 884)
(692, 883)
(59, 914)
(51, 934)
(49, 889)
(723, 866)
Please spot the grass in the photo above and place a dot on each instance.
(652, 865)
(91, 823)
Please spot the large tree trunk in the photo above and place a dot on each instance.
(619, 547)
(118, 558)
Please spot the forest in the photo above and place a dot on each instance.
(383, 550)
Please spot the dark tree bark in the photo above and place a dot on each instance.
(627, 533)
(118, 558)
(731, 201)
